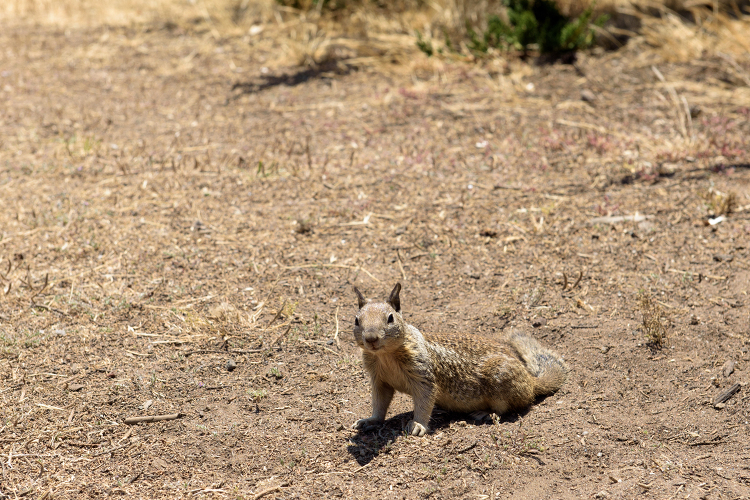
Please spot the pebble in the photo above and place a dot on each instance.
(587, 95)
(231, 365)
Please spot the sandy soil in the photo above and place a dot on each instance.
(181, 229)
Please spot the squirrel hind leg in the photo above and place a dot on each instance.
(480, 416)
(500, 406)
(510, 385)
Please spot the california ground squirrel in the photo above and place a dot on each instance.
(458, 372)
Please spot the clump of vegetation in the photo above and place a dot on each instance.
(519, 443)
(275, 373)
(720, 203)
(257, 395)
(537, 24)
(653, 327)
(303, 226)
(531, 25)
(424, 45)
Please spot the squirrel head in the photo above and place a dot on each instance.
(378, 324)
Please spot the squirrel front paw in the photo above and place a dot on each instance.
(367, 423)
(414, 428)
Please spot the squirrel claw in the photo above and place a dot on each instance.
(480, 416)
(415, 429)
(367, 423)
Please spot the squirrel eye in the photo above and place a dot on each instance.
(390, 318)
(356, 321)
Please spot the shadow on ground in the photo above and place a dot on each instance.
(292, 79)
(368, 444)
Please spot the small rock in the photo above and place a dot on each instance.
(667, 169)
(646, 225)
(539, 322)
(146, 405)
(75, 387)
(588, 96)
(728, 368)
(605, 349)
(602, 494)
(720, 406)
(695, 320)
(330, 342)
(723, 257)
(231, 365)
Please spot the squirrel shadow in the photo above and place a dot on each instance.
(369, 443)
(290, 79)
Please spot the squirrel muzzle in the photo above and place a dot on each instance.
(371, 338)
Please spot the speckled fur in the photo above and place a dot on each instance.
(458, 372)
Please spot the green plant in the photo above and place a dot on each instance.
(257, 395)
(33, 339)
(538, 24)
(424, 45)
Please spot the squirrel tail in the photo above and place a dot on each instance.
(546, 366)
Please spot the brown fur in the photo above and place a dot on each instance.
(458, 372)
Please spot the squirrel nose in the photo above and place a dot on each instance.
(370, 339)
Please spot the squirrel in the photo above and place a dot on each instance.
(458, 372)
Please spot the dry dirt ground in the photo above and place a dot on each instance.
(169, 206)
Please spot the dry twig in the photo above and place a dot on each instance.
(336, 335)
(152, 418)
(270, 490)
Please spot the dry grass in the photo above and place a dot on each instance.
(714, 33)
(720, 203)
(367, 35)
(653, 323)
(223, 15)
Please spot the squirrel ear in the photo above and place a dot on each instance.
(394, 300)
(361, 300)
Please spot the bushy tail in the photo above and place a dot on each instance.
(547, 366)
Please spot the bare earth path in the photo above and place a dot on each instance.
(167, 207)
